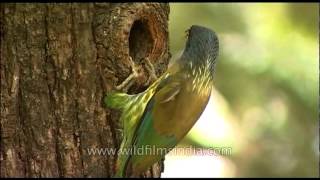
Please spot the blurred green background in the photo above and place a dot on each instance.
(265, 102)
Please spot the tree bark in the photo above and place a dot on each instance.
(57, 63)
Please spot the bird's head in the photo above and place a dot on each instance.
(202, 47)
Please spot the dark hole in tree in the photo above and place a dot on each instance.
(140, 46)
(140, 40)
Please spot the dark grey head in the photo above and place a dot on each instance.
(202, 47)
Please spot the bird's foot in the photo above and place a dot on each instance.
(136, 73)
(128, 82)
(152, 73)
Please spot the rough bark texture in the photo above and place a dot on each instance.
(57, 63)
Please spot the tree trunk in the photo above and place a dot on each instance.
(57, 63)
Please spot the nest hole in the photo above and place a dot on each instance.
(140, 40)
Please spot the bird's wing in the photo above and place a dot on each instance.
(146, 136)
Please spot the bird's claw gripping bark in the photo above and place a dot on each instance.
(152, 73)
(128, 82)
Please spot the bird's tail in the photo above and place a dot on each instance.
(118, 175)
(121, 166)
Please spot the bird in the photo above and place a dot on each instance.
(156, 119)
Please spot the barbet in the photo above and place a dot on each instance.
(158, 118)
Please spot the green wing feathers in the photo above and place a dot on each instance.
(139, 123)
(148, 137)
(117, 100)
